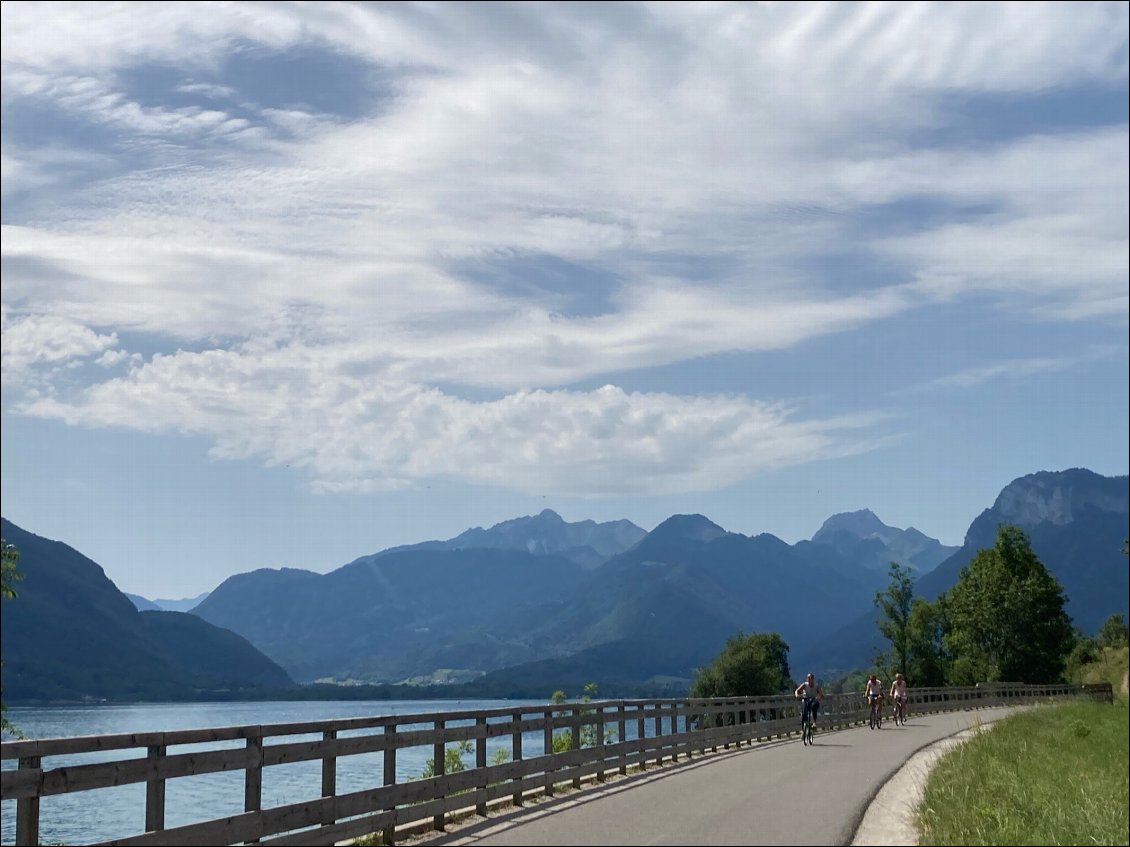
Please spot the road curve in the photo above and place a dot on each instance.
(773, 793)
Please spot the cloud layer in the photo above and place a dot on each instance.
(314, 268)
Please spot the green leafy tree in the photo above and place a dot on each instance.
(1113, 632)
(9, 575)
(1085, 652)
(1006, 616)
(851, 682)
(748, 666)
(928, 659)
(895, 604)
(9, 569)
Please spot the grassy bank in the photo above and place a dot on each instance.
(1056, 774)
(1109, 666)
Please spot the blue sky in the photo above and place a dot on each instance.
(288, 284)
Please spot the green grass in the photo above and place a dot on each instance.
(1110, 666)
(1056, 774)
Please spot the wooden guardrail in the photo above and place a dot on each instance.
(610, 736)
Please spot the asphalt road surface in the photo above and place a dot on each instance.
(773, 793)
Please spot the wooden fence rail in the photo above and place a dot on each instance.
(609, 736)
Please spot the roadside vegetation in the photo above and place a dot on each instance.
(1055, 774)
(9, 576)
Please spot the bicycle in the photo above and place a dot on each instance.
(807, 724)
(899, 707)
(876, 712)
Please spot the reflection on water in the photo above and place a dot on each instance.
(106, 813)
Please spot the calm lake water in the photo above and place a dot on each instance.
(91, 816)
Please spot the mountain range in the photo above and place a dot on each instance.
(185, 604)
(536, 603)
(517, 600)
(70, 634)
(1077, 522)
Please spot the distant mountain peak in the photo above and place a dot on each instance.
(862, 524)
(1057, 496)
(695, 527)
(585, 543)
(852, 532)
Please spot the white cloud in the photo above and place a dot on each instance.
(94, 100)
(372, 432)
(699, 155)
(46, 340)
(1019, 368)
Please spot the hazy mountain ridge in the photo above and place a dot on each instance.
(587, 543)
(413, 612)
(184, 604)
(368, 619)
(70, 634)
(1076, 520)
(862, 536)
(142, 604)
(649, 614)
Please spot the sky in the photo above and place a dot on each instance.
(286, 284)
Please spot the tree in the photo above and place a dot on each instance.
(1006, 616)
(895, 604)
(9, 574)
(928, 659)
(9, 569)
(1113, 632)
(748, 666)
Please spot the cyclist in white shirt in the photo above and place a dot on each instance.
(809, 694)
(899, 693)
(874, 690)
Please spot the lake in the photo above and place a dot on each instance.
(90, 816)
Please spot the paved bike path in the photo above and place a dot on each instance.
(773, 793)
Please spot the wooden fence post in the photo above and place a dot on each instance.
(253, 777)
(389, 836)
(481, 763)
(621, 732)
(27, 810)
(547, 745)
(155, 793)
(439, 757)
(573, 713)
(674, 731)
(599, 728)
(329, 775)
(516, 742)
(641, 730)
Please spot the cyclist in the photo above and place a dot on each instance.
(874, 692)
(809, 694)
(900, 694)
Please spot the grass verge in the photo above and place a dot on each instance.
(1052, 775)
